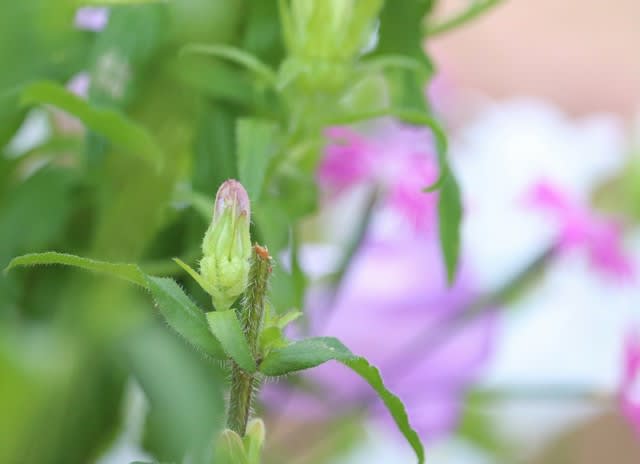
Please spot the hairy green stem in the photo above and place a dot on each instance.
(251, 313)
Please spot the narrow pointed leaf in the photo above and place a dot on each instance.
(113, 125)
(128, 272)
(235, 55)
(183, 315)
(194, 275)
(227, 329)
(312, 352)
(449, 220)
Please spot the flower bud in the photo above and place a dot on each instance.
(323, 37)
(254, 440)
(227, 246)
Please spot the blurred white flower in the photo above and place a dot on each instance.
(568, 330)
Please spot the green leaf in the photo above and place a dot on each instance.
(287, 318)
(235, 55)
(184, 391)
(109, 123)
(215, 79)
(263, 35)
(256, 141)
(128, 272)
(271, 337)
(35, 211)
(400, 34)
(450, 217)
(183, 315)
(175, 306)
(473, 11)
(214, 157)
(227, 329)
(194, 275)
(315, 351)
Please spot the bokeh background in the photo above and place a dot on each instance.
(540, 103)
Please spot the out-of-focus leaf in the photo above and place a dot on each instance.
(45, 375)
(262, 36)
(215, 149)
(183, 315)
(202, 204)
(128, 272)
(477, 427)
(312, 352)
(112, 124)
(227, 329)
(33, 212)
(207, 21)
(33, 215)
(297, 192)
(400, 34)
(256, 141)
(120, 56)
(273, 223)
(184, 392)
(35, 370)
(216, 80)
(235, 55)
(283, 290)
(449, 219)
(471, 12)
(49, 48)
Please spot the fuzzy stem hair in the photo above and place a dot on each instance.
(243, 384)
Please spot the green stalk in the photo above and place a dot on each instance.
(477, 8)
(243, 384)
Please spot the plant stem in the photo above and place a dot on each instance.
(476, 9)
(244, 384)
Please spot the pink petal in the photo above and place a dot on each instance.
(398, 159)
(347, 159)
(580, 227)
(628, 401)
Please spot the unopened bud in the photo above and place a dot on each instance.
(254, 440)
(227, 245)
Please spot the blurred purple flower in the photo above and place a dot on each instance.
(393, 301)
(582, 227)
(629, 400)
(79, 84)
(397, 158)
(91, 18)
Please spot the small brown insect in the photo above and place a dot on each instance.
(262, 252)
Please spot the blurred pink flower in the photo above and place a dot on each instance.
(91, 18)
(581, 227)
(397, 158)
(629, 400)
(392, 303)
